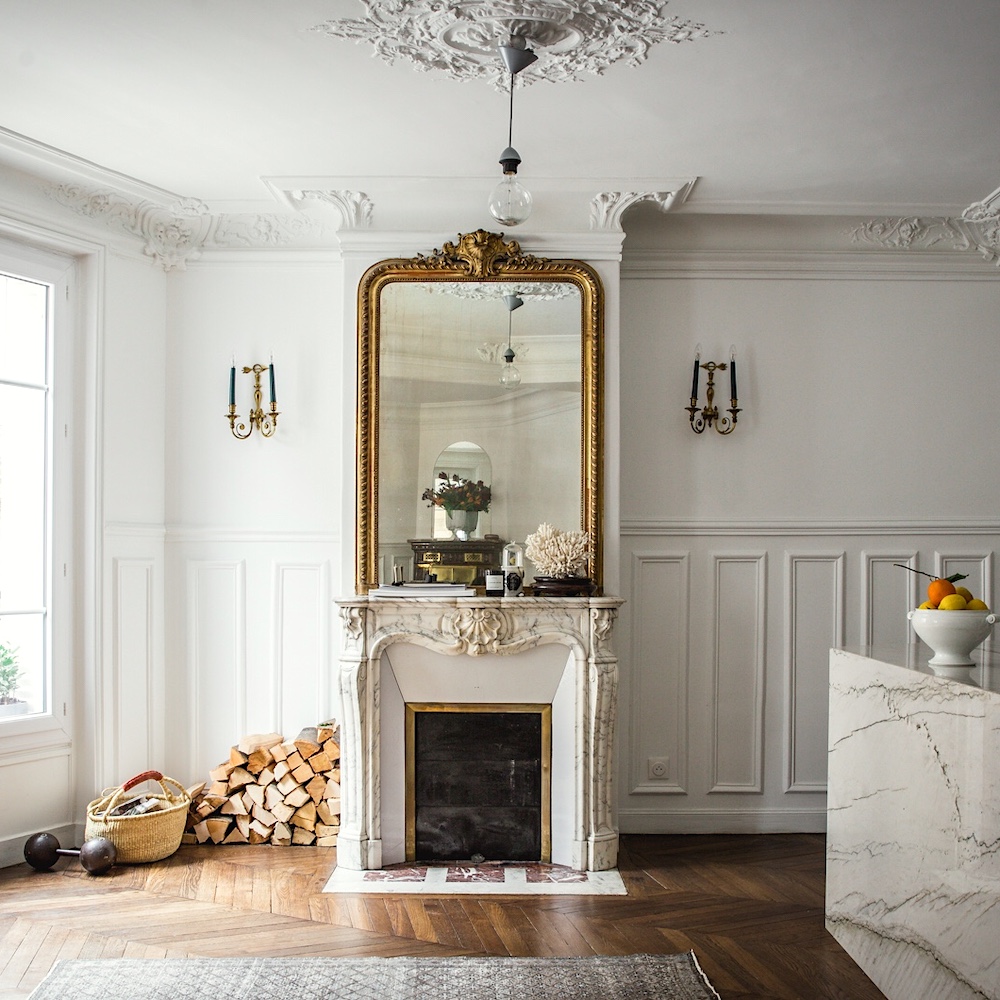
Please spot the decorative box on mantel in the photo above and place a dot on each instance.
(477, 650)
(454, 561)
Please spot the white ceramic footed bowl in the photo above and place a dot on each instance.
(953, 635)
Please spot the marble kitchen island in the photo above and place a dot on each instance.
(913, 826)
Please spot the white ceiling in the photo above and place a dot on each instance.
(844, 106)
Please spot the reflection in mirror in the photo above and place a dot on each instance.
(441, 362)
(461, 487)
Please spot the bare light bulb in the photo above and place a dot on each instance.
(510, 201)
(510, 377)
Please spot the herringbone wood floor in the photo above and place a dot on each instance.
(751, 908)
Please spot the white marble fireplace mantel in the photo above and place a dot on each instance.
(486, 632)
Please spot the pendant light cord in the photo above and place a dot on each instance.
(510, 124)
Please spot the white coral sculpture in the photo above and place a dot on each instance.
(558, 553)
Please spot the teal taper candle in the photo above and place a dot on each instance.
(232, 385)
(271, 371)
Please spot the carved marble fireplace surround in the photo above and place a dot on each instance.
(525, 650)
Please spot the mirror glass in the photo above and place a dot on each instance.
(439, 429)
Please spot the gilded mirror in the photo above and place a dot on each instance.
(438, 337)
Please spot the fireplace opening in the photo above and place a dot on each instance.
(478, 782)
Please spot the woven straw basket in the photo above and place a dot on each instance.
(148, 836)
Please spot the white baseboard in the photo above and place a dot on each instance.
(723, 821)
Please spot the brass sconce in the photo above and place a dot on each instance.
(708, 416)
(267, 424)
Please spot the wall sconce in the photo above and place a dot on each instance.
(266, 424)
(709, 415)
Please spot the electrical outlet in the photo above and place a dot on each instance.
(657, 768)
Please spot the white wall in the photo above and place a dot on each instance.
(866, 438)
(253, 546)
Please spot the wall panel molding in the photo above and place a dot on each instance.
(133, 670)
(659, 605)
(216, 651)
(638, 527)
(738, 663)
(814, 622)
(301, 622)
(978, 567)
(179, 534)
(887, 593)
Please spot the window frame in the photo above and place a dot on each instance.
(52, 726)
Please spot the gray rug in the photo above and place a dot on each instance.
(618, 977)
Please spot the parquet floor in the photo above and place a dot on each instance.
(751, 908)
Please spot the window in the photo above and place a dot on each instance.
(29, 287)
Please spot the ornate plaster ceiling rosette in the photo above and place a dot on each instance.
(460, 38)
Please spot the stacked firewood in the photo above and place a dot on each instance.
(271, 790)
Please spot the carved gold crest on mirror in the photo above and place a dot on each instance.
(439, 429)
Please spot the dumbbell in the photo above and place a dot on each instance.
(42, 851)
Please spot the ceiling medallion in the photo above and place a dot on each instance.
(460, 39)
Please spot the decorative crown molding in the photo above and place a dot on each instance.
(355, 207)
(607, 208)
(987, 210)
(914, 233)
(459, 39)
(181, 232)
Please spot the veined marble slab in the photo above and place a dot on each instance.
(913, 828)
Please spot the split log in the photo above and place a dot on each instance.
(256, 741)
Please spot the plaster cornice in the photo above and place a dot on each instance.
(173, 235)
(980, 233)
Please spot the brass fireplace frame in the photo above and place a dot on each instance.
(544, 710)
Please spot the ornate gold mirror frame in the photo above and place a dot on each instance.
(478, 257)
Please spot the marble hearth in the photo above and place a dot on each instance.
(520, 650)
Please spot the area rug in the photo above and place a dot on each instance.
(501, 878)
(618, 977)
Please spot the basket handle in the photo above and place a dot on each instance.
(181, 791)
(140, 778)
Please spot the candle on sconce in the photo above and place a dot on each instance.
(232, 381)
(271, 373)
(732, 372)
(694, 374)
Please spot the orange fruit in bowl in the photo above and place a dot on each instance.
(952, 602)
(938, 589)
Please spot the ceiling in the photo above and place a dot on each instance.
(812, 106)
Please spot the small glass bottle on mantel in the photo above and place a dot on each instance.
(513, 569)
